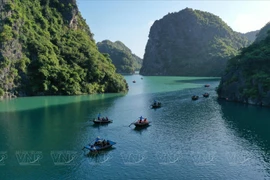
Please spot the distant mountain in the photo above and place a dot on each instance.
(122, 57)
(247, 77)
(251, 36)
(263, 33)
(190, 43)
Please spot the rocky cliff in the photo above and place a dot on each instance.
(247, 76)
(190, 43)
(122, 57)
(262, 34)
(251, 36)
(46, 48)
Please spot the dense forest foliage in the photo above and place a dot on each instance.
(248, 75)
(190, 43)
(122, 57)
(48, 49)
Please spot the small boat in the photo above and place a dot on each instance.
(194, 97)
(99, 144)
(156, 105)
(206, 95)
(207, 85)
(141, 123)
(134, 81)
(102, 121)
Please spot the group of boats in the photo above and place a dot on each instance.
(206, 95)
(101, 144)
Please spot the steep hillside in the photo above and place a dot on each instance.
(122, 57)
(46, 48)
(247, 77)
(262, 33)
(251, 36)
(190, 43)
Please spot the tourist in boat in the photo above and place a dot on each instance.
(145, 119)
(141, 118)
(99, 116)
(107, 118)
(104, 142)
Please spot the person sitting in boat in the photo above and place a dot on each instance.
(107, 119)
(145, 119)
(104, 142)
(141, 118)
(155, 102)
(103, 119)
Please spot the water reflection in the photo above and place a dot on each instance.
(101, 157)
(250, 122)
(140, 130)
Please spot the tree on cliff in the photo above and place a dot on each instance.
(46, 48)
(190, 43)
(122, 57)
(247, 77)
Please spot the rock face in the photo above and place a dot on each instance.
(190, 43)
(122, 57)
(247, 77)
(251, 36)
(262, 33)
(46, 48)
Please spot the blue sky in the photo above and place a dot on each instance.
(129, 21)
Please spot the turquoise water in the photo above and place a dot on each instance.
(42, 137)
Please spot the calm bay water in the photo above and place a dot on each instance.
(42, 137)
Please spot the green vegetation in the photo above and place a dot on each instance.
(262, 33)
(49, 50)
(251, 36)
(190, 43)
(122, 57)
(254, 64)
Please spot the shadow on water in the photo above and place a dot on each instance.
(36, 102)
(199, 81)
(250, 122)
(140, 130)
(93, 154)
(55, 126)
(100, 157)
(94, 125)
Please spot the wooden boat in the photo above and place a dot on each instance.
(102, 121)
(206, 95)
(194, 97)
(207, 85)
(141, 123)
(156, 105)
(99, 144)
